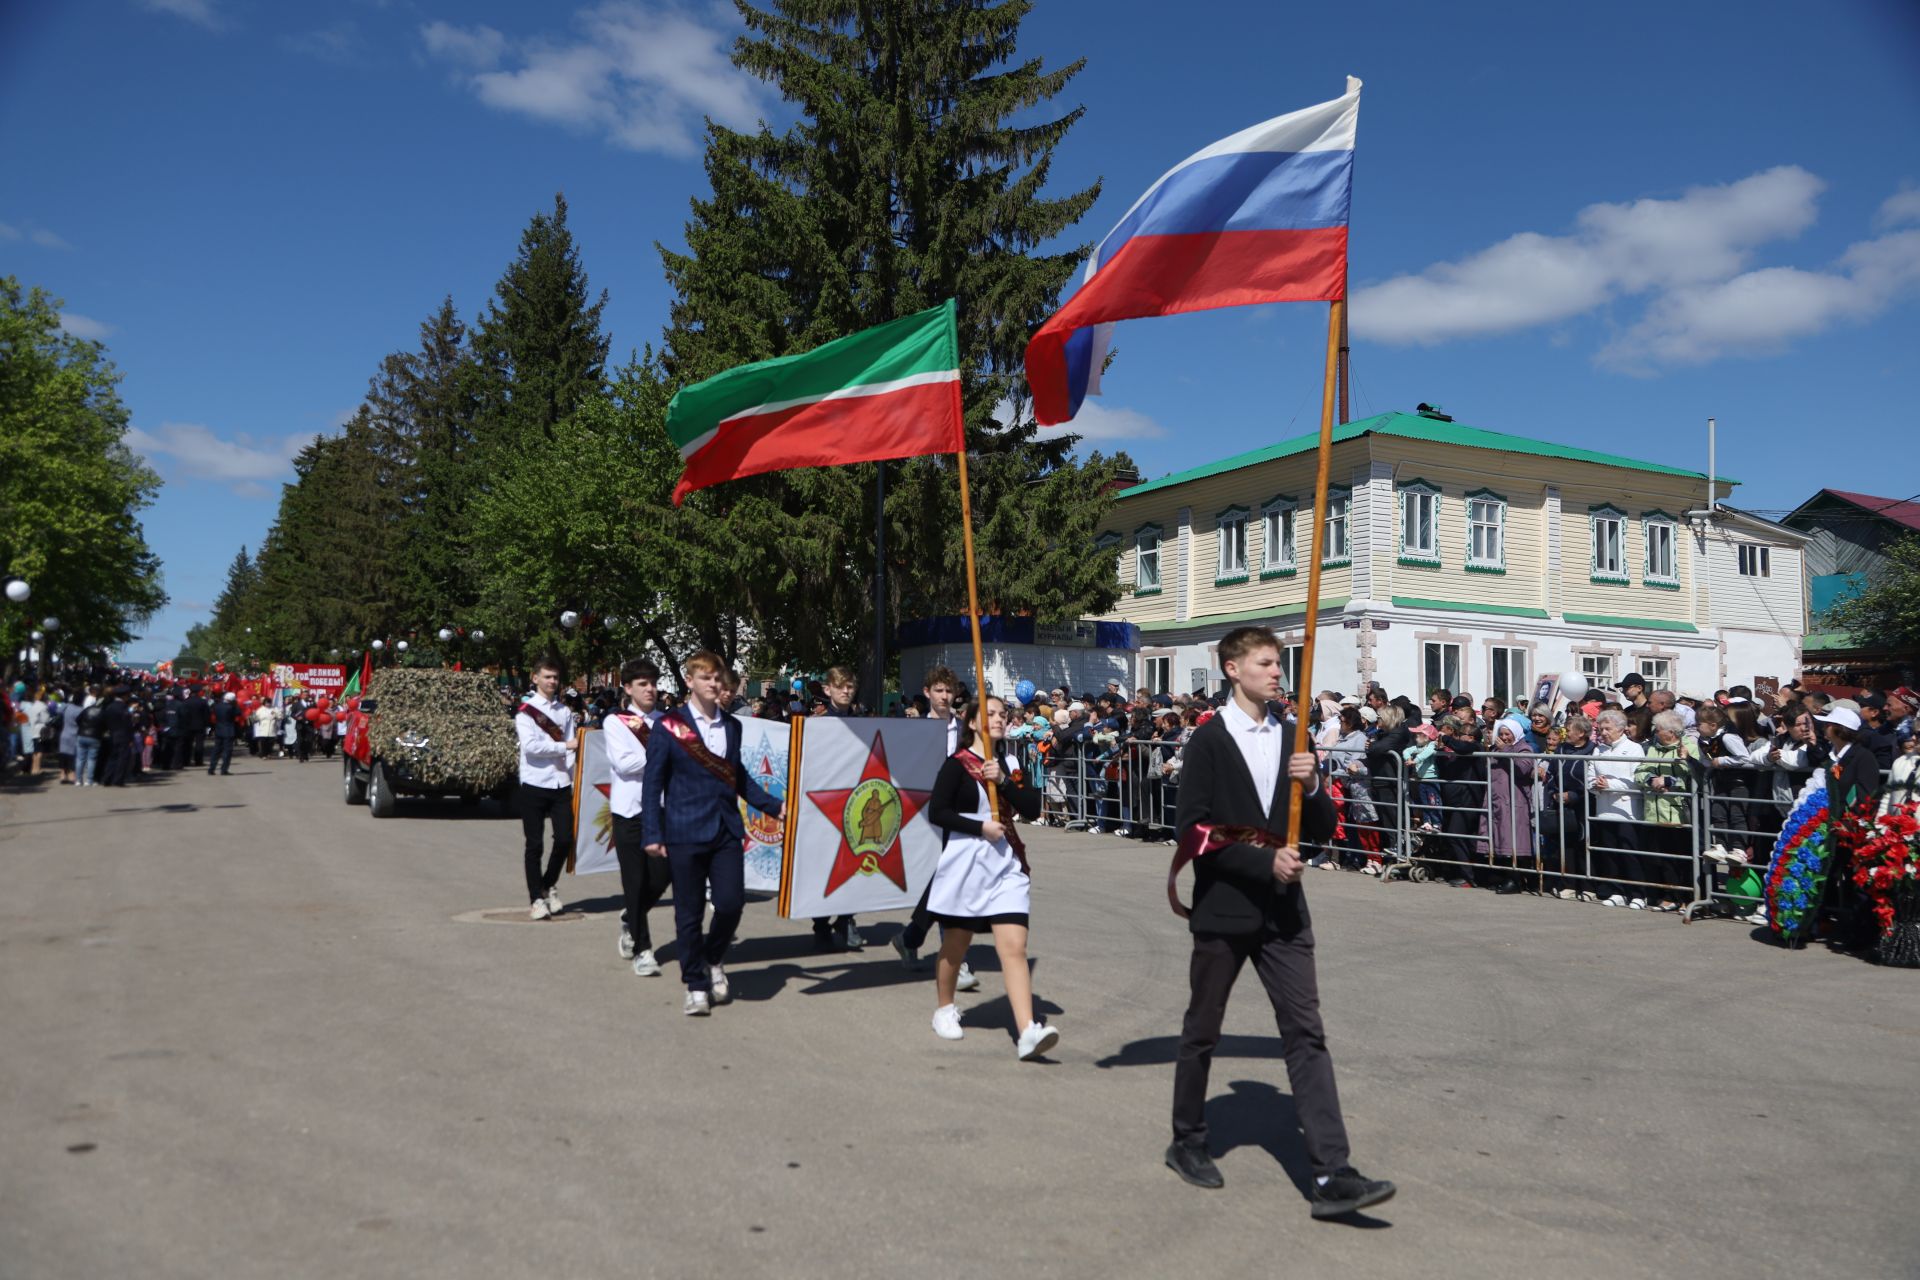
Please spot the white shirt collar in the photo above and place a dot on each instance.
(1240, 722)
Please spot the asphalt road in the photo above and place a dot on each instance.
(251, 1032)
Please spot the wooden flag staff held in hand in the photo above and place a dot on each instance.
(1336, 324)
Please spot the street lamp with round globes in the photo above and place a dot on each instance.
(49, 625)
(378, 645)
(479, 634)
(18, 591)
(38, 636)
(569, 619)
(400, 647)
(445, 634)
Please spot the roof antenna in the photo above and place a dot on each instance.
(1713, 482)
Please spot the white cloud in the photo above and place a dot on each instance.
(1530, 279)
(1760, 312)
(85, 326)
(38, 235)
(477, 47)
(640, 75)
(1095, 421)
(338, 44)
(242, 462)
(1689, 258)
(1898, 209)
(199, 12)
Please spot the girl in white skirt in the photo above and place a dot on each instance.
(981, 882)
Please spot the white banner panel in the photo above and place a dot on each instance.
(592, 818)
(860, 839)
(763, 752)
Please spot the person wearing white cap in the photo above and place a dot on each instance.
(1853, 777)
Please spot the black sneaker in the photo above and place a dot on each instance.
(1346, 1192)
(1195, 1165)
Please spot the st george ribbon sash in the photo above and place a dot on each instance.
(690, 741)
(1201, 838)
(541, 720)
(971, 763)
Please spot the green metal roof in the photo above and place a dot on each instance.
(1413, 426)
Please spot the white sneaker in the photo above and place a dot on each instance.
(1615, 901)
(697, 1005)
(626, 945)
(966, 980)
(1565, 895)
(1638, 904)
(645, 966)
(538, 911)
(722, 993)
(553, 903)
(946, 1022)
(1758, 917)
(1036, 1040)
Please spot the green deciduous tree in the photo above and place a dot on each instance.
(1886, 612)
(70, 489)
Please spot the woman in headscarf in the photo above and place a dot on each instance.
(1510, 804)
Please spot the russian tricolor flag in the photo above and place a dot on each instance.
(1258, 217)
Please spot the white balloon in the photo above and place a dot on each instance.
(18, 591)
(1573, 686)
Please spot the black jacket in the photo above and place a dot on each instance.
(955, 795)
(1854, 780)
(1234, 891)
(226, 719)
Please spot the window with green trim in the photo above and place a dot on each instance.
(1277, 534)
(1419, 523)
(1146, 559)
(1662, 533)
(1609, 526)
(1338, 550)
(1486, 531)
(1230, 562)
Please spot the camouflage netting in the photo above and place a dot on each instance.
(462, 715)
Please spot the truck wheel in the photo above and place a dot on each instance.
(380, 798)
(352, 784)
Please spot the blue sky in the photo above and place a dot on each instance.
(1593, 226)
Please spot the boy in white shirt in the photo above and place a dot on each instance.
(644, 878)
(545, 726)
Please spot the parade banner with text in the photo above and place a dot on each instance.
(857, 834)
(310, 677)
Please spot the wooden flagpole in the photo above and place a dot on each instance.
(983, 744)
(1336, 329)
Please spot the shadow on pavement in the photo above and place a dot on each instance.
(1161, 1051)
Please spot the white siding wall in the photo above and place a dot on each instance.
(1771, 604)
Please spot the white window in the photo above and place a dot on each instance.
(1486, 532)
(1232, 535)
(1109, 544)
(1157, 674)
(1663, 556)
(1441, 663)
(1338, 549)
(1658, 671)
(1509, 674)
(1609, 543)
(1290, 667)
(1755, 560)
(1420, 522)
(1277, 517)
(1146, 562)
(1598, 669)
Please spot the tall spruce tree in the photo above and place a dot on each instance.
(905, 181)
(236, 598)
(540, 347)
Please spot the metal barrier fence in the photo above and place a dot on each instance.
(1663, 832)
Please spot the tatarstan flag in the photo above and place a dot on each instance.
(892, 391)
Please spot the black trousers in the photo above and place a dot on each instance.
(1616, 859)
(719, 866)
(1285, 966)
(115, 771)
(538, 806)
(644, 879)
(197, 744)
(915, 934)
(222, 756)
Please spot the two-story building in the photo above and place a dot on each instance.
(1461, 558)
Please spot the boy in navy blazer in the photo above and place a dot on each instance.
(690, 796)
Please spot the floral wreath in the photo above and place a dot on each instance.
(1798, 872)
